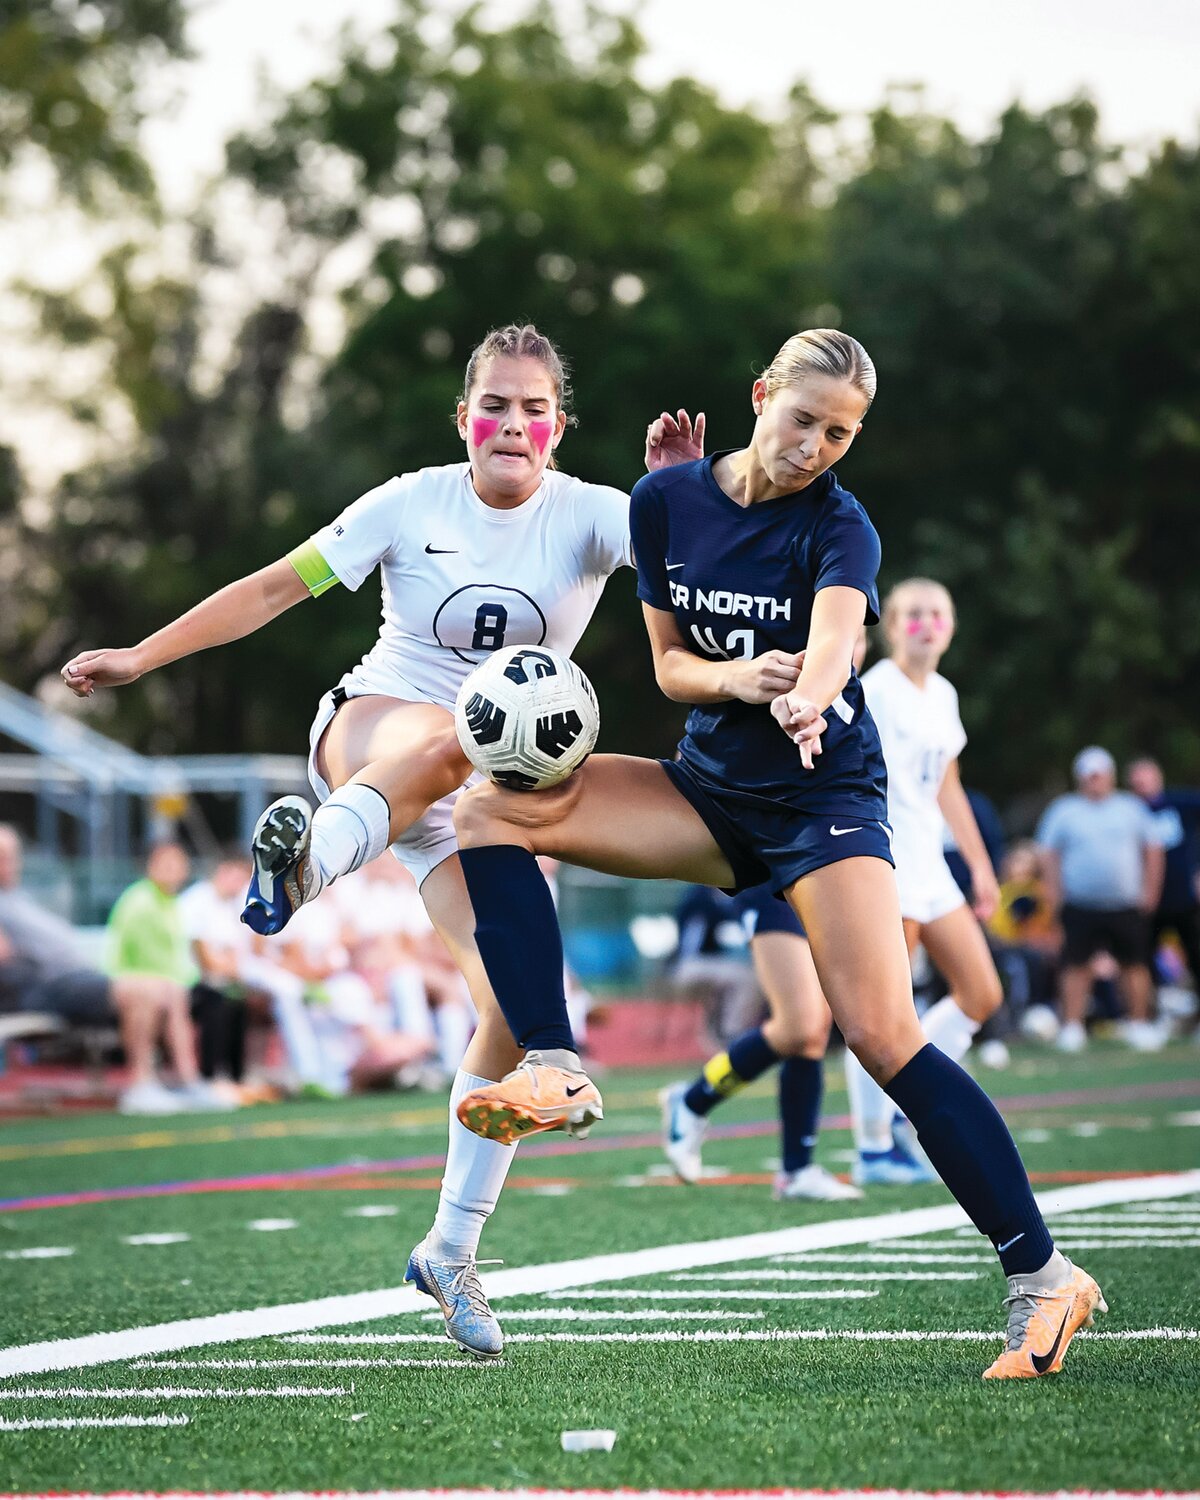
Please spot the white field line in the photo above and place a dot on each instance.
(634, 1495)
(166, 1392)
(747, 1335)
(40, 1252)
(155, 1239)
(625, 1315)
(41, 1424)
(831, 1275)
(1156, 1224)
(890, 1257)
(1114, 1231)
(362, 1307)
(269, 1226)
(766, 1294)
(1069, 1243)
(315, 1364)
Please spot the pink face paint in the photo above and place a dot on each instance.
(482, 428)
(540, 433)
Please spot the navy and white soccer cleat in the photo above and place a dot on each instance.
(283, 878)
(455, 1287)
(891, 1168)
(683, 1133)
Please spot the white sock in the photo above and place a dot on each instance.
(871, 1110)
(453, 1024)
(348, 830)
(949, 1028)
(475, 1173)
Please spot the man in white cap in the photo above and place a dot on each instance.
(1104, 869)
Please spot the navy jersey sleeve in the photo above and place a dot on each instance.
(846, 552)
(647, 528)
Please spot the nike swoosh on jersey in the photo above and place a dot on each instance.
(837, 832)
(672, 566)
(1042, 1362)
(432, 550)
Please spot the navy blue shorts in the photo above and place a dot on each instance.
(771, 843)
(761, 910)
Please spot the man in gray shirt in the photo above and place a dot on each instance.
(1104, 868)
(43, 968)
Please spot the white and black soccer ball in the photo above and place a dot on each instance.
(527, 717)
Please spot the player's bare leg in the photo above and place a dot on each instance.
(852, 915)
(388, 761)
(443, 1264)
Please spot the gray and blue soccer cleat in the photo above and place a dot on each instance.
(455, 1287)
(283, 877)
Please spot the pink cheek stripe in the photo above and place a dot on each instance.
(540, 433)
(913, 627)
(482, 428)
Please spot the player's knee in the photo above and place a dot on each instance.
(800, 1038)
(478, 818)
(983, 999)
(881, 1048)
(441, 765)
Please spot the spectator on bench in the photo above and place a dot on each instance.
(48, 971)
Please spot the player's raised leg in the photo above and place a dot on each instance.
(616, 814)
(387, 761)
(852, 915)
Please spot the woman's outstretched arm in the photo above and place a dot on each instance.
(237, 610)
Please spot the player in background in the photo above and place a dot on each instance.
(916, 711)
(795, 1036)
(745, 560)
(502, 549)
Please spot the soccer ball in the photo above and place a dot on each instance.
(527, 717)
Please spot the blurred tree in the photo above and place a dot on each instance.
(1032, 303)
(1010, 295)
(72, 85)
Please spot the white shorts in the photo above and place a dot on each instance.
(927, 889)
(424, 844)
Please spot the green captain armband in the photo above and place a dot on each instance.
(315, 573)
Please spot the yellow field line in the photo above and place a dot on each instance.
(263, 1130)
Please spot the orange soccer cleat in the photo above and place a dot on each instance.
(1042, 1324)
(533, 1097)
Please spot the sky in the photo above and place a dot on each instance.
(973, 57)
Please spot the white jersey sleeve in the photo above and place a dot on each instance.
(366, 532)
(607, 544)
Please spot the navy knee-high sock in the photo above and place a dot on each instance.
(517, 932)
(970, 1145)
(801, 1084)
(747, 1059)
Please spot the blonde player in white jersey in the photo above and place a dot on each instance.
(916, 711)
(499, 550)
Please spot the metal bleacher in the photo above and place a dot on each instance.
(72, 770)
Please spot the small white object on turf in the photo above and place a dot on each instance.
(592, 1440)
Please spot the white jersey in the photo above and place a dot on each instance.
(461, 578)
(921, 734)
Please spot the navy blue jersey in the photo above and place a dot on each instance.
(740, 580)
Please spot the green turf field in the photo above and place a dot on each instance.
(716, 1368)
